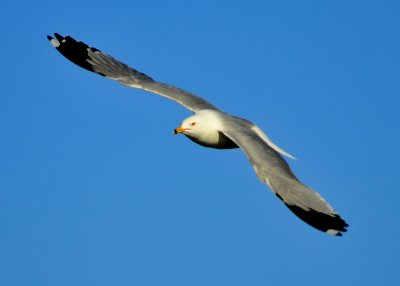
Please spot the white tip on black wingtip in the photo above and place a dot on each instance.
(333, 232)
(53, 41)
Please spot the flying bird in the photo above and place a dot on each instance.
(213, 128)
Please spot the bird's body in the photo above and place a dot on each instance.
(204, 128)
(213, 128)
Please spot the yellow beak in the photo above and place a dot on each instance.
(179, 130)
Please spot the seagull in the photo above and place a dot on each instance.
(210, 127)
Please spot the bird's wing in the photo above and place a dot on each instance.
(96, 61)
(273, 170)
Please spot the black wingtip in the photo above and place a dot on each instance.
(331, 224)
(82, 55)
(58, 37)
(73, 50)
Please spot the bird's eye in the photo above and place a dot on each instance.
(193, 124)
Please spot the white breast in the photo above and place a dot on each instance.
(207, 131)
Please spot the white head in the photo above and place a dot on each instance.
(190, 125)
(206, 128)
(201, 125)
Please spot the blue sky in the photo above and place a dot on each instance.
(95, 189)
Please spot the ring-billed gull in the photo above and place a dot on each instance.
(213, 128)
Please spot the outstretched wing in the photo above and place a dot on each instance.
(96, 61)
(273, 170)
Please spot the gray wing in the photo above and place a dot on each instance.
(96, 61)
(273, 170)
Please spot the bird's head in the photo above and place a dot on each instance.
(190, 126)
(201, 124)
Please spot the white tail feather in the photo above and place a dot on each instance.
(270, 143)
